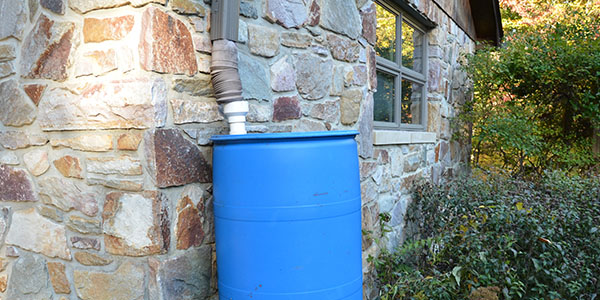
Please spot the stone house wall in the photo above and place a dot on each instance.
(106, 110)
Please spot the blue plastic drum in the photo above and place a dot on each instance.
(287, 216)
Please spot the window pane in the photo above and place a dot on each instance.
(412, 47)
(411, 102)
(386, 33)
(383, 109)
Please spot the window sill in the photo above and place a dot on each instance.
(397, 137)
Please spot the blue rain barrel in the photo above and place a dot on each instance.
(287, 216)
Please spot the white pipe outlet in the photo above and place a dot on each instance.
(236, 112)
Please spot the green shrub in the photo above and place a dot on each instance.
(481, 238)
(536, 99)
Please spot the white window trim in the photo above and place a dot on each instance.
(403, 72)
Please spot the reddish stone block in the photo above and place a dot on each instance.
(286, 108)
(369, 23)
(166, 45)
(343, 49)
(382, 155)
(55, 6)
(189, 224)
(35, 91)
(85, 243)
(173, 160)
(314, 15)
(372, 68)
(15, 185)
(45, 51)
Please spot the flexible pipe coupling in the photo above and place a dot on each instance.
(227, 84)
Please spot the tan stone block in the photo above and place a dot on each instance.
(3, 282)
(7, 68)
(68, 166)
(16, 109)
(31, 231)
(58, 277)
(350, 106)
(295, 40)
(8, 158)
(68, 194)
(105, 104)
(122, 165)
(96, 63)
(98, 30)
(202, 43)
(84, 225)
(195, 111)
(86, 142)
(36, 161)
(129, 141)
(50, 212)
(433, 117)
(90, 259)
(136, 224)
(263, 41)
(116, 182)
(83, 6)
(14, 17)
(307, 125)
(188, 7)
(7, 52)
(313, 76)
(127, 282)
(18, 140)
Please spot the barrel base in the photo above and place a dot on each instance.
(349, 291)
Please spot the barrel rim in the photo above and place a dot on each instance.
(283, 135)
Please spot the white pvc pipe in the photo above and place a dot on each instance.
(236, 112)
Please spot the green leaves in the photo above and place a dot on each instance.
(537, 99)
(522, 239)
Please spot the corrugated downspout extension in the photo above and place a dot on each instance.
(227, 85)
(224, 66)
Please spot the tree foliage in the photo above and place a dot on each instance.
(536, 101)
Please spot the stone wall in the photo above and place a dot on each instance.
(106, 114)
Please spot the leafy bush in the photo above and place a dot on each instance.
(536, 103)
(498, 238)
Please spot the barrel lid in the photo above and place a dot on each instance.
(282, 136)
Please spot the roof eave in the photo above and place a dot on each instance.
(487, 20)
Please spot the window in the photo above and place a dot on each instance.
(400, 100)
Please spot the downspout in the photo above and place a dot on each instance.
(224, 66)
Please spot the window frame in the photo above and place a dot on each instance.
(401, 72)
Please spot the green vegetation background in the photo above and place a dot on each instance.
(525, 224)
